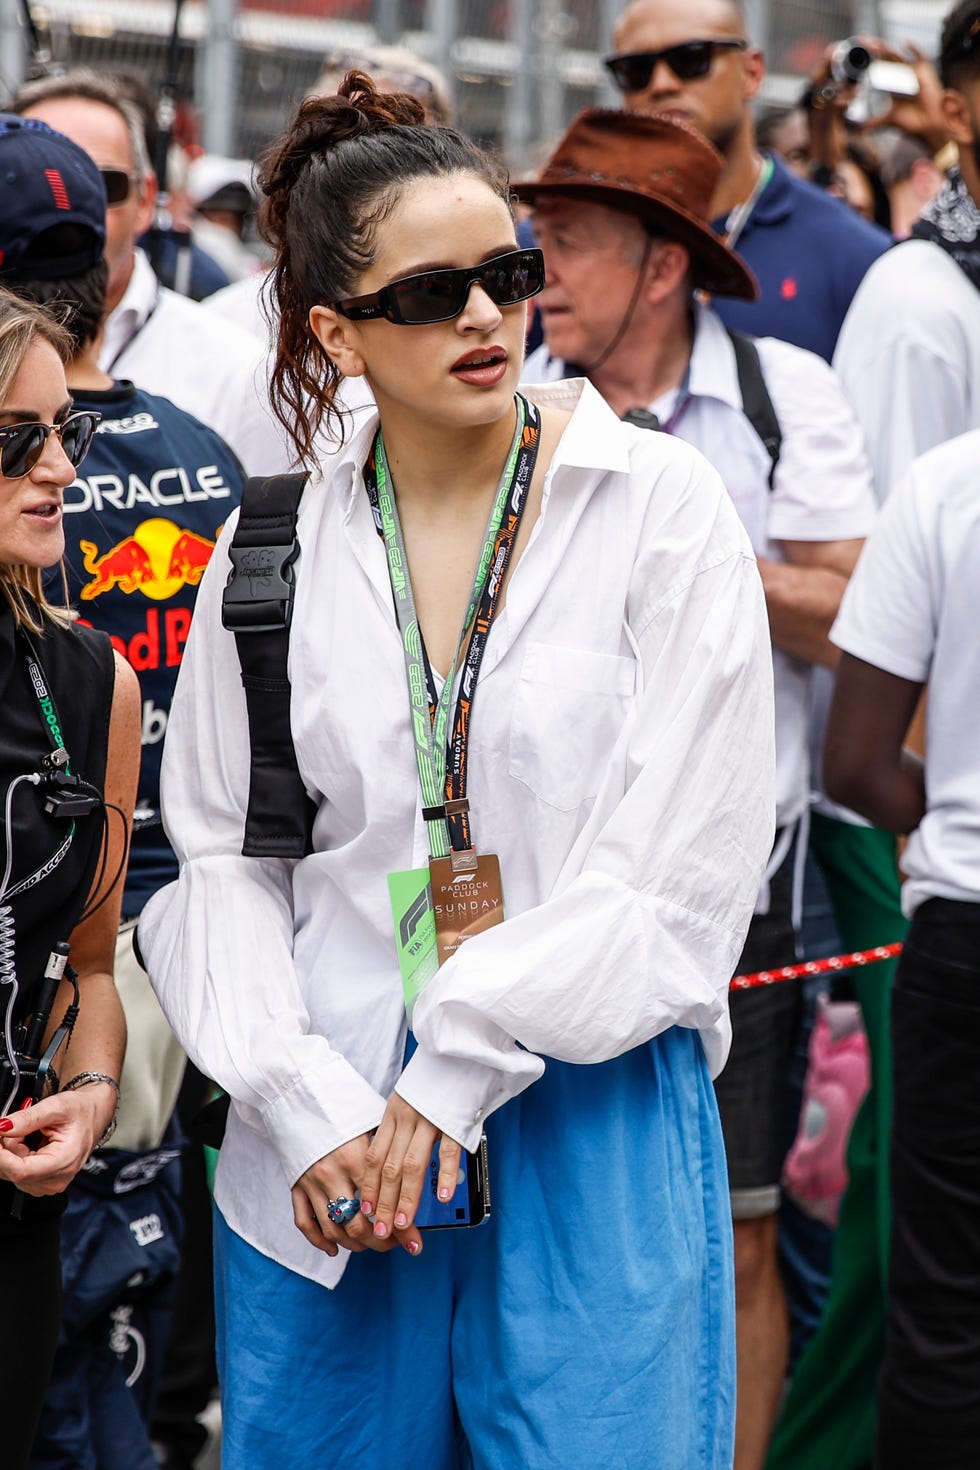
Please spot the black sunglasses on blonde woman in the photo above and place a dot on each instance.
(21, 445)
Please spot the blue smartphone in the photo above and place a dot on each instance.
(470, 1205)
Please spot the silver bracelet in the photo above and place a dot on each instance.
(87, 1079)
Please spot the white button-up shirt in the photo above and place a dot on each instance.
(620, 766)
(209, 366)
(821, 490)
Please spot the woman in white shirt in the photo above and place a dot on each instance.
(614, 750)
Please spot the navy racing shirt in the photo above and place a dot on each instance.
(141, 520)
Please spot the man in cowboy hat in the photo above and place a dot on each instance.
(621, 210)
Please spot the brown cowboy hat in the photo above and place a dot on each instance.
(657, 167)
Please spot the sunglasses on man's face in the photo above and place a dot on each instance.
(438, 296)
(688, 61)
(118, 184)
(21, 445)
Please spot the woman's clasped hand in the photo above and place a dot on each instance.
(387, 1173)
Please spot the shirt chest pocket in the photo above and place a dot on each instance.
(569, 708)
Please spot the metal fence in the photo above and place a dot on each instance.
(519, 69)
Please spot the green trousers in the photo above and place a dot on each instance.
(827, 1421)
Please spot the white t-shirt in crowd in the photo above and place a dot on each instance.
(821, 491)
(242, 302)
(620, 766)
(909, 357)
(208, 366)
(911, 609)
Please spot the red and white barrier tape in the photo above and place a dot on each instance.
(817, 967)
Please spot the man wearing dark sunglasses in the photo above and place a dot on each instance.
(808, 253)
(163, 341)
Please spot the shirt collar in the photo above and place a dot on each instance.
(774, 204)
(714, 371)
(589, 442)
(140, 295)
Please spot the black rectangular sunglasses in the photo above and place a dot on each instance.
(688, 61)
(21, 445)
(118, 184)
(438, 296)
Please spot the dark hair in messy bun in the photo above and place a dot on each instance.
(329, 182)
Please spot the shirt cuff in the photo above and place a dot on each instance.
(458, 1095)
(304, 1126)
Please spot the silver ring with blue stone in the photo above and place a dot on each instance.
(342, 1210)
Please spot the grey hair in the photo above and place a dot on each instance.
(91, 86)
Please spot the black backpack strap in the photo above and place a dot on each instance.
(257, 607)
(756, 403)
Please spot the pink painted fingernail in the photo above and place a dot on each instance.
(444, 1193)
(413, 1247)
(381, 1229)
(401, 1219)
(367, 1208)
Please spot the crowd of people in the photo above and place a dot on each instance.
(416, 1021)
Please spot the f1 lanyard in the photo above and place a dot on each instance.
(46, 705)
(739, 217)
(441, 758)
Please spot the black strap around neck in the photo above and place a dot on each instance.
(757, 405)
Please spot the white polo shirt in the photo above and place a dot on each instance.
(207, 365)
(241, 302)
(620, 765)
(911, 609)
(821, 492)
(908, 357)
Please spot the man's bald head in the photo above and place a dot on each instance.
(717, 102)
(730, 13)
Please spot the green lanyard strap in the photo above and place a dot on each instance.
(441, 755)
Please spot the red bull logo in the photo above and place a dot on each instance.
(158, 559)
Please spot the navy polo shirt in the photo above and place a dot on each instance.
(809, 253)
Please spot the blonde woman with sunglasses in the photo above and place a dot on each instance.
(69, 753)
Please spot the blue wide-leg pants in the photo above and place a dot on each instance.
(589, 1323)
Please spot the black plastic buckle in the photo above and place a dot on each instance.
(258, 596)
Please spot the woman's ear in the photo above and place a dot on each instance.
(338, 338)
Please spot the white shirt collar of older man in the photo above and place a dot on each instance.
(137, 304)
(712, 369)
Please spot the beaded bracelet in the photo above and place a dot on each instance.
(86, 1079)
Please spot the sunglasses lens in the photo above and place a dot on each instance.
(690, 60)
(632, 73)
(21, 452)
(116, 182)
(430, 298)
(514, 278)
(76, 437)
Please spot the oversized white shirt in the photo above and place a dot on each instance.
(821, 490)
(620, 766)
(909, 356)
(911, 609)
(206, 364)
